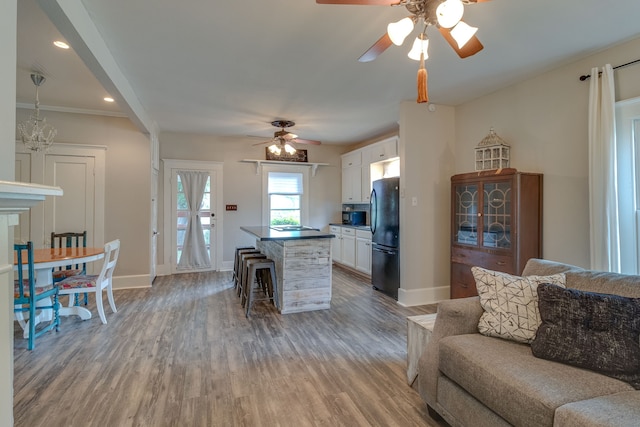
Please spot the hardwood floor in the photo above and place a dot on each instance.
(183, 354)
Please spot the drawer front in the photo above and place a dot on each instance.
(352, 159)
(463, 284)
(335, 229)
(483, 259)
(348, 231)
(364, 234)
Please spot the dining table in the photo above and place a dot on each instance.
(45, 260)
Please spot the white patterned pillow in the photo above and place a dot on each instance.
(510, 303)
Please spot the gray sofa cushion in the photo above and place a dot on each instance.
(615, 410)
(590, 330)
(519, 387)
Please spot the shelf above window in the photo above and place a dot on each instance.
(259, 163)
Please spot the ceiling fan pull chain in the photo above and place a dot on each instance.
(422, 81)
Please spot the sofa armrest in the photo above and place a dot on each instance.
(455, 317)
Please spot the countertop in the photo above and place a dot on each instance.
(268, 233)
(357, 227)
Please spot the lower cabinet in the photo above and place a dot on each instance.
(352, 248)
(349, 247)
(363, 251)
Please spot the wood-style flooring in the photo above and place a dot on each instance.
(182, 353)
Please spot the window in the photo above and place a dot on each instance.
(628, 170)
(285, 192)
(285, 196)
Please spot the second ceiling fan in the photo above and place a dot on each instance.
(283, 139)
(446, 15)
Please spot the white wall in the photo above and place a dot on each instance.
(545, 120)
(127, 183)
(426, 165)
(243, 187)
(8, 16)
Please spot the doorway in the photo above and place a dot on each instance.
(178, 214)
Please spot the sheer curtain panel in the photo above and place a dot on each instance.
(603, 187)
(194, 251)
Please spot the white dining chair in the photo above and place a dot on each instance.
(94, 283)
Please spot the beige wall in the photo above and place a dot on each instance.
(243, 187)
(426, 165)
(127, 181)
(545, 120)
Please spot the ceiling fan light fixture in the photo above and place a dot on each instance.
(398, 31)
(274, 149)
(289, 149)
(419, 46)
(462, 33)
(449, 13)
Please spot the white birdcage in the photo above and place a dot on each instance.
(492, 152)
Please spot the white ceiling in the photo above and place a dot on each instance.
(230, 68)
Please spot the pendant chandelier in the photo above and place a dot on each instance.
(35, 133)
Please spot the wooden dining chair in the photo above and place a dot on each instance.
(69, 240)
(83, 283)
(26, 295)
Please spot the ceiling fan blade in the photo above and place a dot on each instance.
(378, 47)
(476, 1)
(263, 142)
(472, 47)
(306, 141)
(361, 2)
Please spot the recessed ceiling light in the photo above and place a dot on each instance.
(108, 99)
(61, 44)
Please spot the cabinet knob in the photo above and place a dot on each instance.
(479, 213)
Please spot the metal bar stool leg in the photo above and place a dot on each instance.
(244, 278)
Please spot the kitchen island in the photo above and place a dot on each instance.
(303, 265)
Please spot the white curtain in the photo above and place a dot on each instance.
(194, 250)
(603, 188)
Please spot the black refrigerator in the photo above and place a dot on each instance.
(385, 230)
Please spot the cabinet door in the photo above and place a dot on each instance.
(366, 184)
(348, 247)
(465, 214)
(351, 184)
(496, 214)
(336, 244)
(363, 255)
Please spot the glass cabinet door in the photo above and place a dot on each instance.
(466, 214)
(496, 213)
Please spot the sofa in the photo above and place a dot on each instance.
(470, 379)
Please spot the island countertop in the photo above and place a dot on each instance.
(267, 233)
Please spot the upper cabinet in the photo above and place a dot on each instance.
(381, 151)
(356, 169)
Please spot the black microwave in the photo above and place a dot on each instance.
(354, 217)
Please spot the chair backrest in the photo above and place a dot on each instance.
(111, 252)
(70, 240)
(30, 279)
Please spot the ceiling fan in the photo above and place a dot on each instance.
(446, 15)
(283, 139)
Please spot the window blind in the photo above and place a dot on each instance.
(285, 183)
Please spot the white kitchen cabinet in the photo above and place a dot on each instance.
(352, 159)
(349, 247)
(366, 184)
(336, 243)
(352, 184)
(363, 251)
(381, 151)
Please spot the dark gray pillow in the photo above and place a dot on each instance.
(594, 331)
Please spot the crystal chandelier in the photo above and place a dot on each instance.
(35, 133)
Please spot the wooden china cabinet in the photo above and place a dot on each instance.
(496, 223)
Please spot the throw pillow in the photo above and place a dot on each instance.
(589, 330)
(510, 303)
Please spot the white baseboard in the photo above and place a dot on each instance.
(132, 282)
(165, 270)
(423, 296)
(226, 266)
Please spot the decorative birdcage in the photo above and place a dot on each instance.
(492, 152)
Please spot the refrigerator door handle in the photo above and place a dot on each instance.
(373, 201)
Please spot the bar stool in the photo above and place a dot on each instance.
(261, 271)
(242, 270)
(236, 260)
